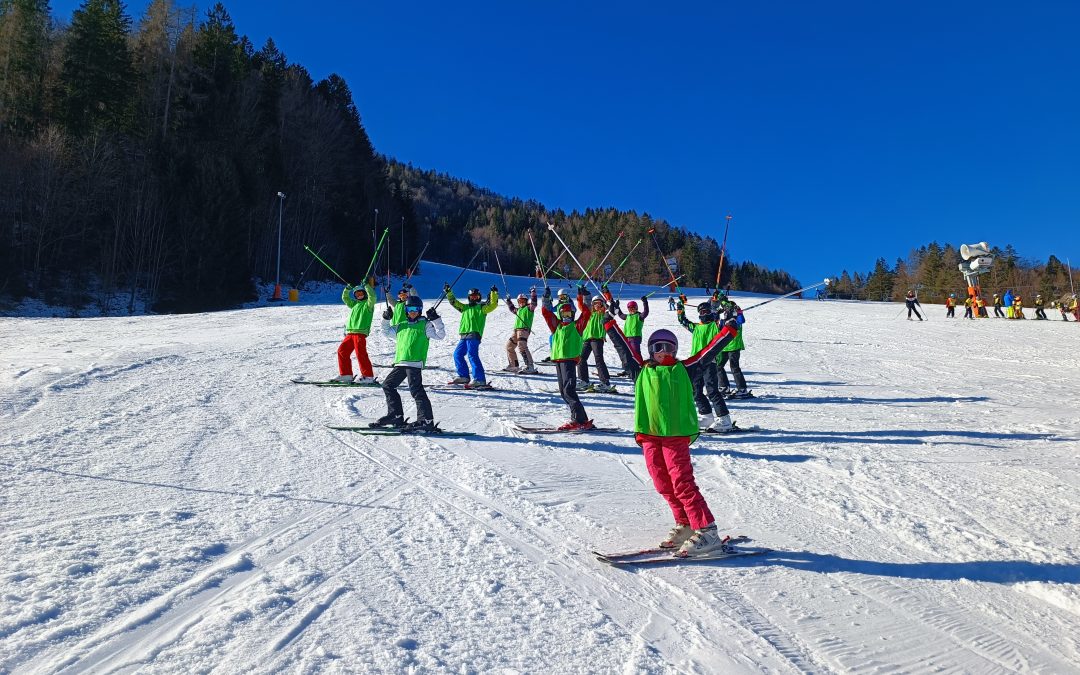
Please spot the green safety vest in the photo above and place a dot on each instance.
(736, 343)
(473, 319)
(412, 341)
(664, 402)
(703, 335)
(524, 319)
(566, 342)
(360, 316)
(594, 330)
(632, 326)
(399, 314)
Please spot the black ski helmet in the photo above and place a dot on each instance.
(414, 304)
(474, 292)
(704, 309)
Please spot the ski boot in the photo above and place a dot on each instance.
(722, 425)
(703, 541)
(388, 422)
(512, 369)
(423, 427)
(459, 380)
(345, 379)
(604, 389)
(705, 421)
(360, 379)
(528, 371)
(742, 393)
(577, 426)
(585, 387)
(678, 534)
(480, 384)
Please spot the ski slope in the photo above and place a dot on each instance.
(170, 503)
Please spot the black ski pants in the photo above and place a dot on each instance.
(706, 394)
(1039, 313)
(736, 370)
(416, 388)
(951, 314)
(596, 348)
(910, 309)
(998, 312)
(568, 388)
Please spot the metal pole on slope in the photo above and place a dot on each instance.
(574, 258)
(499, 264)
(536, 256)
(723, 249)
(826, 282)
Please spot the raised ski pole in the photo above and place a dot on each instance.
(462, 272)
(723, 250)
(536, 256)
(640, 239)
(506, 289)
(552, 268)
(308, 249)
(574, 258)
(412, 267)
(376, 255)
(662, 287)
(652, 232)
(788, 295)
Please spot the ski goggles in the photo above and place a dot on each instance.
(663, 348)
(414, 308)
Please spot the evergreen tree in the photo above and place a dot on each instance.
(96, 82)
(24, 42)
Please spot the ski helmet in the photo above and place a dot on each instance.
(631, 305)
(563, 295)
(663, 335)
(414, 304)
(360, 289)
(598, 298)
(704, 309)
(522, 296)
(474, 292)
(565, 305)
(404, 291)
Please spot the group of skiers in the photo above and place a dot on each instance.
(1006, 306)
(673, 400)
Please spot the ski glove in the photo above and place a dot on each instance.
(581, 289)
(432, 315)
(547, 292)
(388, 314)
(446, 288)
(494, 288)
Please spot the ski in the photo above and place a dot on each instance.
(738, 397)
(556, 430)
(740, 539)
(735, 430)
(391, 431)
(588, 391)
(334, 383)
(450, 386)
(674, 560)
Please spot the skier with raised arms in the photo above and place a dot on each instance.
(471, 330)
(665, 425)
(361, 303)
(412, 338)
(524, 312)
(633, 322)
(566, 346)
(705, 380)
(593, 337)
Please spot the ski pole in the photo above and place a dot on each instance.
(603, 260)
(788, 295)
(539, 264)
(462, 272)
(374, 257)
(412, 267)
(723, 249)
(574, 258)
(302, 274)
(552, 268)
(652, 231)
(308, 249)
(662, 287)
(506, 289)
(640, 239)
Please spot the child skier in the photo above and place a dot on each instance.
(733, 351)
(1018, 308)
(399, 306)
(593, 337)
(1040, 313)
(523, 312)
(968, 305)
(471, 330)
(361, 303)
(412, 339)
(705, 379)
(633, 323)
(665, 425)
(566, 346)
(950, 307)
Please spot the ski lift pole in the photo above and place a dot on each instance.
(536, 256)
(826, 282)
(506, 289)
(458, 277)
(574, 258)
(332, 271)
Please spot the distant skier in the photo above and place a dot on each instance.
(1040, 313)
(412, 338)
(671, 303)
(1010, 311)
(950, 307)
(471, 330)
(969, 303)
(665, 425)
(594, 339)
(998, 314)
(523, 312)
(361, 303)
(712, 410)
(566, 346)
(980, 305)
(912, 303)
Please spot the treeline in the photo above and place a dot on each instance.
(145, 160)
(448, 208)
(933, 272)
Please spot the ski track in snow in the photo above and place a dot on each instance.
(171, 503)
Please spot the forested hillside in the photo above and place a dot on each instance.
(933, 271)
(446, 207)
(145, 158)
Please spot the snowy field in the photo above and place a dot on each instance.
(170, 503)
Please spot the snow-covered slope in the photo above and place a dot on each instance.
(170, 502)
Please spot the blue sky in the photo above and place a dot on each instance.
(833, 131)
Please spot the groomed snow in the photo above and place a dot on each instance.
(169, 502)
